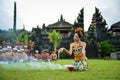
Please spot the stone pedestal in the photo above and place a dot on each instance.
(115, 55)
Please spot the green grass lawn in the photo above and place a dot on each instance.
(98, 70)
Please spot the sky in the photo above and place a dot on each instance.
(36, 12)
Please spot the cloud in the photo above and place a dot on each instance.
(6, 19)
(36, 12)
(110, 10)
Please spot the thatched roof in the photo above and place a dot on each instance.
(115, 27)
(60, 24)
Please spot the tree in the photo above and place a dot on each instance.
(106, 47)
(90, 37)
(56, 38)
(2, 38)
(11, 36)
(24, 37)
(32, 36)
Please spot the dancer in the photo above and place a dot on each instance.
(78, 49)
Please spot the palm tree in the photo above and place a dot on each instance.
(56, 38)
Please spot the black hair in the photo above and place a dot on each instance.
(80, 35)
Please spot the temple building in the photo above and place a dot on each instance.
(79, 22)
(61, 25)
(99, 24)
(65, 29)
(96, 33)
(115, 29)
(115, 38)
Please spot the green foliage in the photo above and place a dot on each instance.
(106, 47)
(90, 34)
(24, 37)
(63, 55)
(11, 36)
(32, 36)
(56, 38)
(2, 38)
(19, 36)
(8, 36)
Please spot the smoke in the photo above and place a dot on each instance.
(34, 66)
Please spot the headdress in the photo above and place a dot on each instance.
(79, 31)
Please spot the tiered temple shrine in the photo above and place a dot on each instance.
(96, 33)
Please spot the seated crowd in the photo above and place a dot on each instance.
(45, 56)
(24, 54)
